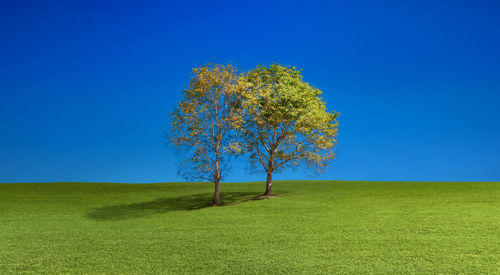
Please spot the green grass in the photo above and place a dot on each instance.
(311, 227)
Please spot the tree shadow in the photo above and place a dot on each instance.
(163, 205)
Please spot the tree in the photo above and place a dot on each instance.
(285, 122)
(203, 124)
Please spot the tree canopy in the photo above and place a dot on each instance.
(203, 124)
(269, 113)
(286, 122)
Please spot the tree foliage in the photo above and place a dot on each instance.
(269, 113)
(204, 122)
(285, 122)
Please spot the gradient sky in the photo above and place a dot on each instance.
(85, 86)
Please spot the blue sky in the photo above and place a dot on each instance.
(85, 86)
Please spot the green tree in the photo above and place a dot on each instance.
(285, 122)
(203, 124)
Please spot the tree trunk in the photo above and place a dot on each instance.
(216, 193)
(269, 184)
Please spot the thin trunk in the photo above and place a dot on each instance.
(218, 139)
(216, 193)
(217, 178)
(217, 181)
(269, 184)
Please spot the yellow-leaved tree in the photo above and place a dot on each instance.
(285, 121)
(204, 122)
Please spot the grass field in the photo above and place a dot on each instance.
(311, 227)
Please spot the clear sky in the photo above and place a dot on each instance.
(85, 86)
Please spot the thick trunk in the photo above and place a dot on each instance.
(270, 170)
(269, 184)
(216, 193)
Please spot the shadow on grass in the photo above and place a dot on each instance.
(163, 205)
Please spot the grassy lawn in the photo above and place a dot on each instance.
(311, 227)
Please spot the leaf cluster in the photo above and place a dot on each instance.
(204, 122)
(286, 121)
